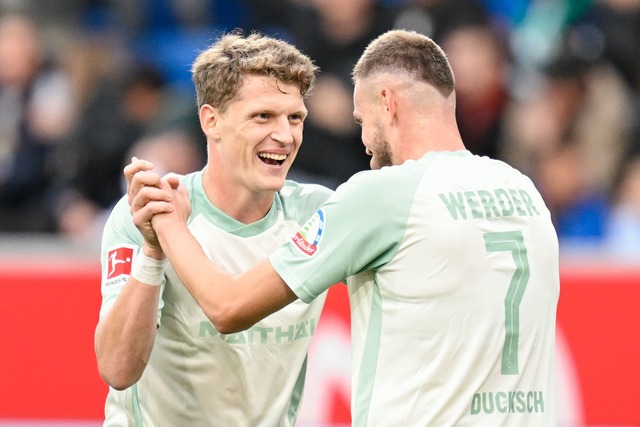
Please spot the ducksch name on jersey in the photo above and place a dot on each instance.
(508, 401)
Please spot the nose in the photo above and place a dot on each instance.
(282, 131)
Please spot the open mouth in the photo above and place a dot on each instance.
(272, 159)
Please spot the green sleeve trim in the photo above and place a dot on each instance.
(135, 405)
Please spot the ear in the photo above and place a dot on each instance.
(209, 119)
(388, 103)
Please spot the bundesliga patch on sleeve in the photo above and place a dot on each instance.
(308, 237)
(119, 262)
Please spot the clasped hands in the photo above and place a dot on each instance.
(154, 202)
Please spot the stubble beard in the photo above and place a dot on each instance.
(383, 148)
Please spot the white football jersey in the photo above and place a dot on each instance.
(197, 376)
(453, 281)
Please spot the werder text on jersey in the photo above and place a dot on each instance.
(495, 203)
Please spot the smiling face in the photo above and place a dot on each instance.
(366, 113)
(256, 139)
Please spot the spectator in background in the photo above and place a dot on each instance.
(578, 210)
(582, 107)
(119, 113)
(623, 232)
(173, 151)
(587, 97)
(619, 24)
(148, 17)
(480, 60)
(436, 18)
(334, 33)
(36, 114)
(481, 65)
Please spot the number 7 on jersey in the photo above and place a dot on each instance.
(511, 241)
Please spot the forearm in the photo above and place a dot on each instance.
(125, 335)
(232, 303)
(209, 285)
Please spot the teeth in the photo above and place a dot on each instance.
(278, 157)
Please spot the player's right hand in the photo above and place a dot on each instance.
(132, 169)
(146, 198)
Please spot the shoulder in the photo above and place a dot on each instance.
(296, 191)
(299, 201)
(120, 212)
(468, 159)
(119, 227)
(502, 170)
(383, 186)
(445, 168)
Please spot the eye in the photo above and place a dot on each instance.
(263, 116)
(297, 118)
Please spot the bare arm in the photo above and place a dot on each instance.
(125, 336)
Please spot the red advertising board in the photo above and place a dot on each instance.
(48, 313)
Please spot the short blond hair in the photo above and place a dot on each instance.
(218, 71)
(407, 52)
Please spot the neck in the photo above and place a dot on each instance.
(425, 133)
(235, 199)
(424, 121)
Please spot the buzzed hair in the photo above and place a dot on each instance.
(218, 72)
(408, 52)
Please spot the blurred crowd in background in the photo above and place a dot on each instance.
(551, 87)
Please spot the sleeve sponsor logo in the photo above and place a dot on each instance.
(308, 237)
(119, 262)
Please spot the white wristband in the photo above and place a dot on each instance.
(148, 270)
